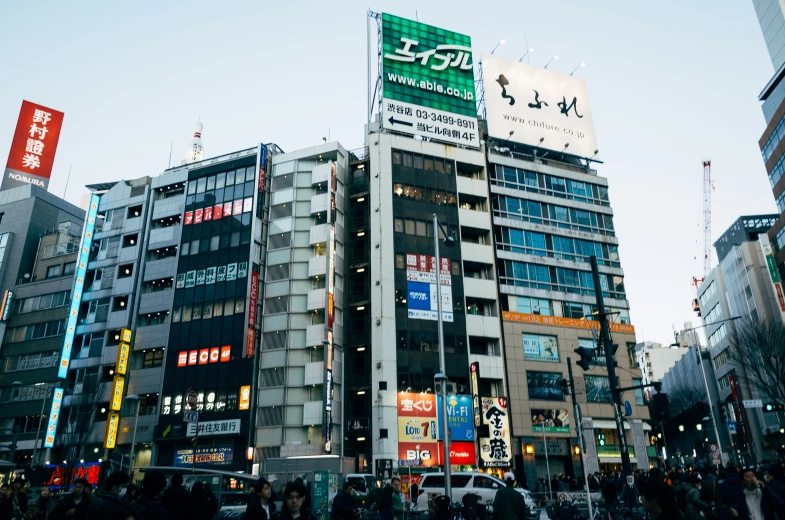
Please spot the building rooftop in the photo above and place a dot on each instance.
(745, 229)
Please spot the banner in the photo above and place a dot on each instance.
(33, 147)
(538, 107)
(537, 347)
(555, 321)
(206, 456)
(422, 294)
(459, 417)
(54, 416)
(554, 421)
(544, 385)
(461, 453)
(417, 436)
(496, 450)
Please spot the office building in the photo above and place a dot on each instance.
(656, 359)
(771, 17)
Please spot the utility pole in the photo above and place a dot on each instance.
(579, 430)
(607, 349)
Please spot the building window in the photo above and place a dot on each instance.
(125, 271)
(717, 336)
(545, 385)
(724, 382)
(134, 211)
(120, 303)
(598, 389)
(639, 399)
(45, 301)
(153, 358)
(69, 268)
(53, 271)
(722, 358)
(37, 331)
(708, 293)
(130, 240)
(631, 354)
(541, 306)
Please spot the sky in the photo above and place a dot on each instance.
(670, 82)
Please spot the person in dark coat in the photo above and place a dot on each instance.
(148, 505)
(775, 481)
(131, 493)
(695, 506)
(659, 501)
(759, 501)
(13, 505)
(175, 499)
(344, 507)
(109, 505)
(73, 506)
(508, 504)
(260, 503)
(44, 503)
(386, 511)
(294, 500)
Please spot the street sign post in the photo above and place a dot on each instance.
(731, 426)
(190, 398)
(627, 409)
(190, 416)
(752, 403)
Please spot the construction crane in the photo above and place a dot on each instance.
(705, 231)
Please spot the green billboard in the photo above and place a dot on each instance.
(427, 66)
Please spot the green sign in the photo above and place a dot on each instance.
(427, 66)
(321, 489)
(775, 275)
(612, 450)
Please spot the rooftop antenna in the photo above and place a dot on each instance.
(170, 155)
(66, 180)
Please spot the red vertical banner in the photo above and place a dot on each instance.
(189, 218)
(33, 147)
(249, 339)
(253, 299)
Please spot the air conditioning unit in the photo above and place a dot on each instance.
(461, 389)
(451, 388)
(152, 410)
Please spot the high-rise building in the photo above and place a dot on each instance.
(771, 17)
(656, 359)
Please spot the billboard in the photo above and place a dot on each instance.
(421, 299)
(79, 276)
(459, 417)
(537, 347)
(537, 107)
(553, 421)
(462, 453)
(33, 147)
(428, 82)
(496, 450)
(417, 436)
(774, 275)
(206, 456)
(54, 416)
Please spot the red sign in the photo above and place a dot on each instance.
(33, 147)
(193, 356)
(63, 477)
(227, 209)
(182, 358)
(204, 356)
(253, 300)
(413, 404)
(249, 347)
(208, 213)
(461, 453)
(418, 453)
(226, 354)
(238, 207)
(217, 211)
(189, 217)
(198, 216)
(780, 297)
(262, 176)
(330, 310)
(215, 354)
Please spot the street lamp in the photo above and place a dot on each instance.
(526, 54)
(442, 375)
(681, 427)
(576, 68)
(137, 398)
(549, 61)
(501, 42)
(41, 417)
(699, 427)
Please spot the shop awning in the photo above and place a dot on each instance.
(607, 425)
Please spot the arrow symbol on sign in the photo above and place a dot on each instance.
(393, 121)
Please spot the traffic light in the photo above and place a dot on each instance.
(773, 407)
(614, 348)
(587, 356)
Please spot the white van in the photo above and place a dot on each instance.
(480, 484)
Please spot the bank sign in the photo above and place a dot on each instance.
(428, 82)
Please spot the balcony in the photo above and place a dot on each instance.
(165, 236)
(320, 203)
(315, 334)
(314, 373)
(312, 413)
(145, 381)
(151, 336)
(476, 253)
(169, 207)
(159, 269)
(474, 219)
(316, 299)
(479, 288)
(483, 326)
(321, 174)
(317, 266)
(319, 234)
(157, 301)
(474, 187)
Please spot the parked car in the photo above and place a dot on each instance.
(481, 484)
(362, 483)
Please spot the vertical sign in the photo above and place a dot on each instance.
(33, 147)
(417, 435)
(476, 405)
(245, 397)
(328, 354)
(118, 384)
(262, 167)
(5, 308)
(76, 293)
(254, 298)
(495, 451)
(112, 426)
(774, 274)
(421, 280)
(54, 416)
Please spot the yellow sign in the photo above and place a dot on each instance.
(117, 393)
(245, 397)
(416, 429)
(555, 321)
(122, 358)
(125, 335)
(112, 427)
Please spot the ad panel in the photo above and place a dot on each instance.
(496, 450)
(422, 292)
(554, 421)
(459, 417)
(539, 347)
(538, 107)
(33, 147)
(428, 82)
(207, 456)
(417, 435)
(54, 416)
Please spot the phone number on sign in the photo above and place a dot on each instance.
(447, 120)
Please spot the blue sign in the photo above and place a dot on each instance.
(207, 456)
(54, 416)
(628, 408)
(419, 296)
(731, 426)
(76, 293)
(459, 416)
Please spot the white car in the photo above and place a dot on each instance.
(481, 484)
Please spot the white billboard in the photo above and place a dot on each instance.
(538, 107)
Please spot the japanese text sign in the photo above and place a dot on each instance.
(54, 416)
(538, 107)
(118, 385)
(496, 451)
(245, 397)
(225, 427)
(459, 417)
(33, 147)
(417, 435)
(112, 426)
(121, 366)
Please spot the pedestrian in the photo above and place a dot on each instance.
(13, 504)
(175, 499)
(44, 503)
(344, 506)
(294, 503)
(109, 505)
(398, 500)
(147, 505)
(760, 502)
(694, 505)
(260, 504)
(210, 501)
(386, 511)
(73, 506)
(131, 492)
(509, 503)
(659, 501)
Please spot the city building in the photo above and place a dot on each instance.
(39, 238)
(656, 359)
(740, 286)
(771, 17)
